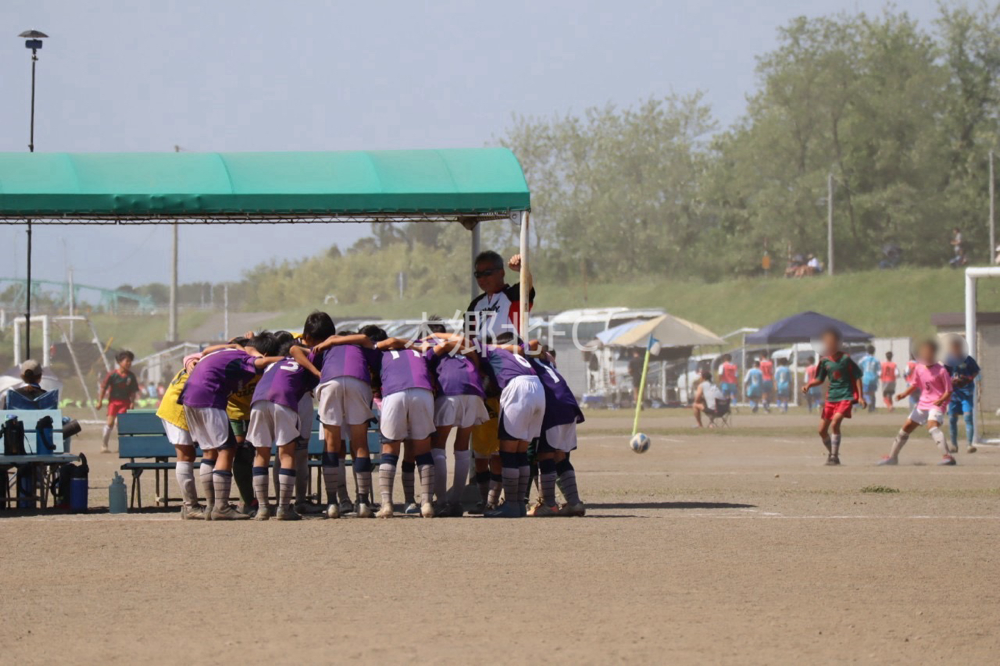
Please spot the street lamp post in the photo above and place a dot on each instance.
(33, 40)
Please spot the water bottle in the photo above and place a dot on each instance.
(117, 496)
(78, 487)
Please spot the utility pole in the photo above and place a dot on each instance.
(993, 218)
(172, 324)
(829, 224)
(225, 317)
(33, 40)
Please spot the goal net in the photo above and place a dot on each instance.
(982, 335)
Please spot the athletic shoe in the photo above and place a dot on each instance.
(364, 510)
(426, 510)
(573, 510)
(385, 511)
(888, 460)
(245, 509)
(953, 448)
(478, 509)
(346, 507)
(412, 509)
(263, 513)
(307, 508)
(522, 508)
(543, 511)
(833, 461)
(286, 513)
(229, 513)
(971, 449)
(333, 511)
(453, 510)
(192, 512)
(948, 460)
(506, 510)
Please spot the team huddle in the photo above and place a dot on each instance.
(503, 398)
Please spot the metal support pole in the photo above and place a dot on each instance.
(525, 279)
(72, 305)
(970, 336)
(475, 253)
(829, 224)
(993, 210)
(225, 317)
(172, 325)
(31, 149)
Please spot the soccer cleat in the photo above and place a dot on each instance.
(953, 448)
(307, 508)
(453, 510)
(833, 460)
(287, 513)
(263, 513)
(412, 509)
(346, 507)
(426, 510)
(971, 449)
(543, 511)
(364, 510)
(245, 509)
(573, 510)
(478, 509)
(385, 511)
(192, 512)
(333, 511)
(948, 460)
(506, 510)
(229, 513)
(888, 460)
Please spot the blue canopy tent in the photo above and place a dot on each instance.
(804, 327)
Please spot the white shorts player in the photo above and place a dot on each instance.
(208, 426)
(922, 416)
(408, 414)
(344, 401)
(272, 424)
(460, 411)
(176, 435)
(562, 437)
(522, 408)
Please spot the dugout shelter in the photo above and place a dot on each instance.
(464, 186)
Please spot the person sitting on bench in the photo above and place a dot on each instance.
(31, 375)
(705, 397)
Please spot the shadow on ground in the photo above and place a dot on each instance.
(671, 505)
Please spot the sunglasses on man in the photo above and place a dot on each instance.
(488, 272)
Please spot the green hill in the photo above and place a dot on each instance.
(897, 303)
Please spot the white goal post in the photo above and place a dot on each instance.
(971, 332)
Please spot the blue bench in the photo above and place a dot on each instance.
(142, 442)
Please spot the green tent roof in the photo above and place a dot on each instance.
(477, 183)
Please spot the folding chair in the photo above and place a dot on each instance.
(722, 414)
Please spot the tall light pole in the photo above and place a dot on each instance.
(993, 213)
(829, 224)
(33, 40)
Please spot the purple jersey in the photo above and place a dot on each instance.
(505, 366)
(403, 369)
(346, 361)
(284, 383)
(561, 407)
(455, 374)
(216, 376)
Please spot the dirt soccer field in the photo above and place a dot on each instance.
(714, 547)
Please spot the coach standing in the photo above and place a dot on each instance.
(495, 311)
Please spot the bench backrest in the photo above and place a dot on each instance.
(140, 435)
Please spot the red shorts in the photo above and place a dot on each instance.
(831, 409)
(117, 407)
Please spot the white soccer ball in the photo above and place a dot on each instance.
(639, 443)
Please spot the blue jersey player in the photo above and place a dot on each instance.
(963, 370)
(871, 370)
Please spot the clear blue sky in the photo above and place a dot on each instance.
(138, 75)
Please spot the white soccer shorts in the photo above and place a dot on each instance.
(408, 414)
(562, 437)
(306, 416)
(272, 424)
(460, 411)
(208, 426)
(922, 416)
(522, 408)
(345, 401)
(176, 435)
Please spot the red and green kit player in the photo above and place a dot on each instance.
(120, 387)
(843, 391)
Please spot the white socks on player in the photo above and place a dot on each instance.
(463, 460)
(835, 445)
(185, 480)
(898, 444)
(938, 436)
(440, 473)
(105, 438)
